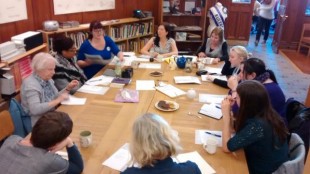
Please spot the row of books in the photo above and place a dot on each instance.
(20, 70)
(77, 37)
(132, 30)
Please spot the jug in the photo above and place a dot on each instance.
(181, 62)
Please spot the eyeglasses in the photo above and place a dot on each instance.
(99, 31)
(72, 50)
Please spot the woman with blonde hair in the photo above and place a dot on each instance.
(237, 54)
(214, 47)
(152, 145)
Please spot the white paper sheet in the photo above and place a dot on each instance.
(93, 89)
(211, 98)
(100, 80)
(63, 154)
(204, 77)
(120, 159)
(186, 79)
(72, 100)
(145, 85)
(195, 157)
(211, 110)
(150, 65)
(127, 60)
(213, 70)
(97, 59)
(201, 136)
(170, 90)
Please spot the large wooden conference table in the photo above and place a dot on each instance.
(111, 122)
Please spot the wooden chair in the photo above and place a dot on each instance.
(304, 39)
(6, 125)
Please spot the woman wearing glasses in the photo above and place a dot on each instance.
(66, 67)
(98, 45)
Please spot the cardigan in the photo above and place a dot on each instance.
(220, 52)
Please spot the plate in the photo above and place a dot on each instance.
(156, 74)
(176, 106)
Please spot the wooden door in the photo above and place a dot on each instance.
(280, 23)
(239, 20)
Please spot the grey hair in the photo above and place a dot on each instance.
(41, 60)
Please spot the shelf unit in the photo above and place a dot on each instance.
(20, 66)
(186, 23)
(128, 33)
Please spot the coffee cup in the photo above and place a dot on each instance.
(209, 60)
(200, 66)
(85, 138)
(210, 145)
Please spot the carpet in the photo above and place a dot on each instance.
(300, 60)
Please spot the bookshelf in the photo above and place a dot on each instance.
(189, 26)
(128, 33)
(20, 67)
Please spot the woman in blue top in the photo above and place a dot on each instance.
(98, 45)
(152, 145)
(259, 129)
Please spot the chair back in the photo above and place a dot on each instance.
(297, 155)
(6, 125)
(21, 120)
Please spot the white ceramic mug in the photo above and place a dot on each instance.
(209, 60)
(134, 64)
(210, 145)
(85, 138)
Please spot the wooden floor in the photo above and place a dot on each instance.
(299, 59)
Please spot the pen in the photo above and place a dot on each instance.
(213, 134)
(95, 80)
(218, 107)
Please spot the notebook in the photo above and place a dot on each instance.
(211, 110)
(186, 79)
(170, 90)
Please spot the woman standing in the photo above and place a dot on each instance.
(97, 44)
(266, 15)
(162, 45)
(214, 47)
(66, 66)
(259, 129)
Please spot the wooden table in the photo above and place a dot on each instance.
(111, 123)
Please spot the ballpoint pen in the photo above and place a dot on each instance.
(95, 80)
(213, 134)
(218, 107)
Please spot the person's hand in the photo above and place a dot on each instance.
(202, 55)
(88, 62)
(72, 85)
(216, 60)
(226, 107)
(210, 77)
(154, 54)
(63, 96)
(65, 143)
(232, 82)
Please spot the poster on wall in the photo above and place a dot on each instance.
(12, 10)
(76, 6)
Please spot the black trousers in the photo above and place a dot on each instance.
(263, 24)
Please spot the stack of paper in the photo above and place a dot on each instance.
(127, 60)
(120, 159)
(204, 77)
(74, 101)
(201, 136)
(186, 79)
(145, 85)
(93, 89)
(97, 59)
(213, 70)
(210, 98)
(150, 65)
(170, 90)
(195, 157)
(211, 110)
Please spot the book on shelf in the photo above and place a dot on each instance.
(192, 36)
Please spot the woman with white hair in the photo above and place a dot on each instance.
(237, 54)
(152, 145)
(38, 92)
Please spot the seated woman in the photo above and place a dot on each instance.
(255, 69)
(97, 44)
(259, 129)
(237, 54)
(38, 92)
(66, 67)
(152, 145)
(37, 153)
(162, 45)
(214, 47)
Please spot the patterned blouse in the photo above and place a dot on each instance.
(163, 49)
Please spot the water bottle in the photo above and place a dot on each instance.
(118, 69)
(188, 66)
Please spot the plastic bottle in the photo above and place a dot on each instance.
(118, 69)
(188, 66)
